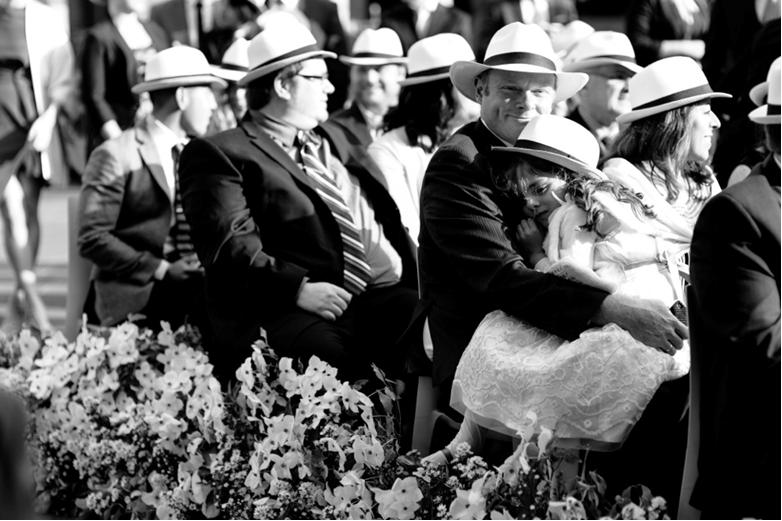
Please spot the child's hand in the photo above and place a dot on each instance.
(530, 240)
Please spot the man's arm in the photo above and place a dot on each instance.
(102, 192)
(224, 232)
(736, 290)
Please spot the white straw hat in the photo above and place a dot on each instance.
(376, 47)
(431, 58)
(565, 38)
(518, 47)
(560, 141)
(601, 48)
(178, 66)
(279, 46)
(768, 92)
(235, 63)
(667, 84)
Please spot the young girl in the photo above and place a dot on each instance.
(590, 391)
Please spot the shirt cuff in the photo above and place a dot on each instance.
(161, 269)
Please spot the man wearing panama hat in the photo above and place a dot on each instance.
(377, 65)
(131, 224)
(468, 264)
(296, 230)
(736, 335)
(609, 60)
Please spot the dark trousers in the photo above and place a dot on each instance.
(175, 302)
(368, 331)
(653, 454)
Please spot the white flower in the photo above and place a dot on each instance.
(633, 511)
(401, 501)
(469, 504)
(367, 453)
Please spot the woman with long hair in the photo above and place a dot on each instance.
(429, 108)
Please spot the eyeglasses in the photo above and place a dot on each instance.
(311, 77)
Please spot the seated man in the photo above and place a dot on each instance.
(132, 227)
(609, 59)
(295, 235)
(377, 66)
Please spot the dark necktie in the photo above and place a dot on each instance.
(180, 232)
(357, 272)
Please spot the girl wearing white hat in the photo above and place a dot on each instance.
(591, 391)
(423, 119)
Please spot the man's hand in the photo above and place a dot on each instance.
(324, 299)
(40, 134)
(184, 268)
(648, 321)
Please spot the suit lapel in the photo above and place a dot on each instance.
(269, 147)
(150, 158)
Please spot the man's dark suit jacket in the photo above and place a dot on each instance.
(352, 123)
(125, 218)
(259, 228)
(401, 19)
(468, 266)
(109, 70)
(736, 340)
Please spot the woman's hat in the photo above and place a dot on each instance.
(375, 47)
(559, 141)
(430, 59)
(768, 92)
(279, 46)
(518, 47)
(563, 39)
(601, 48)
(665, 85)
(178, 66)
(235, 63)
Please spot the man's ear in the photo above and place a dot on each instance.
(479, 88)
(182, 98)
(281, 88)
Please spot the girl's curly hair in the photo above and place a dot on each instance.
(508, 171)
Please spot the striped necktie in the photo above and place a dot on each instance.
(357, 272)
(180, 232)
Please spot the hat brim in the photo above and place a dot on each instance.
(585, 65)
(423, 79)
(635, 115)
(463, 74)
(230, 75)
(758, 93)
(558, 159)
(262, 71)
(372, 61)
(181, 81)
(761, 116)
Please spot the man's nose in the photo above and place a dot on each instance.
(372, 75)
(328, 87)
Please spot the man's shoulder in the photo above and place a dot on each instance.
(462, 147)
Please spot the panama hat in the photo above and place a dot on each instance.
(768, 91)
(279, 46)
(518, 47)
(560, 141)
(430, 59)
(235, 63)
(665, 85)
(376, 47)
(178, 66)
(601, 48)
(567, 36)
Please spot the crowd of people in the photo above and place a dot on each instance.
(567, 213)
